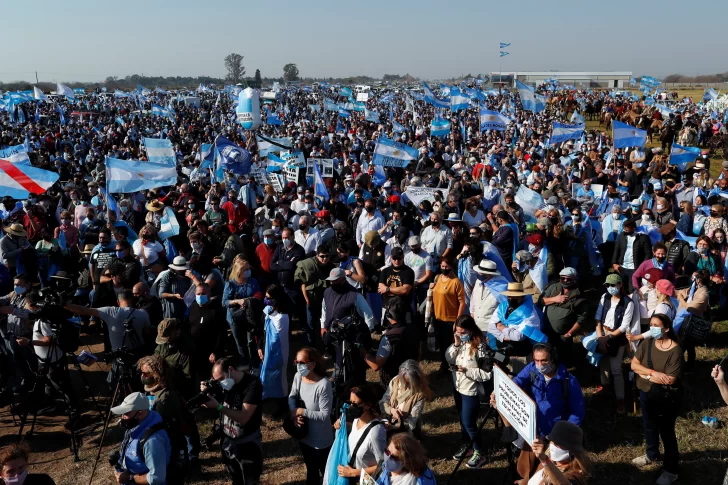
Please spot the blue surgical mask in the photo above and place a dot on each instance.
(392, 465)
(655, 332)
(545, 368)
(268, 241)
(396, 223)
(613, 290)
(303, 369)
(702, 250)
(124, 208)
(247, 273)
(465, 338)
(19, 290)
(120, 254)
(201, 299)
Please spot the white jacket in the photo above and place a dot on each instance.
(466, 383)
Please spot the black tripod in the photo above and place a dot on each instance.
(37, 395)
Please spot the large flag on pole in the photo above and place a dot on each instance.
(492, 120)
(38, 94)
(389, 153)
(320, 191)
(458, 100)
(134, 175)
(681, 156)
(528, 98)
(627, 136)
(431, 98)
(160, 151)
(562, 132)
(63, 90)
(20, 180)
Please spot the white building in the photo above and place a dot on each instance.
(606, 79)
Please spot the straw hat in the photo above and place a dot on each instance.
(16, 230)
(88, 249)
(486, 267)
(514, 289)
(154, 205)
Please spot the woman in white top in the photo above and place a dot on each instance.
(472, 216)
(664, 290)
(148, 250)
(363, 407)
(466, 358)
(613, 317)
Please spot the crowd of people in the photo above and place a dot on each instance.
(624, 248)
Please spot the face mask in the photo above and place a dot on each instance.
(303, 369)
(354, 412)
(227, 383)
(646, 218)
(569, 284)
(720, 240)
(269, 301)
(130, 423)
(120, 254)
(613, 290)
(660, 207)
(545, 368)
(268, 241)
(557, 454)
(201, 299)
(446, 271)
(148, 381)
(18, 479)
(531, 248)
(465, 338)
(615, 215)
(655, 332)
(436, 224)
(247, 273)
(287, 243)
(392, 465)
(369, 209)
(303, 227)
(396, 223)
(196, 246)
(19, 290)
(702, 250)
(66, 222)
(191, 206)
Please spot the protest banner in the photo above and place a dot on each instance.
(515, 405)
(325, 165)
(276, 180)
(418, 194)
(598, 189)
(260, 174)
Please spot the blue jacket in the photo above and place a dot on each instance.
(427, 478)
(551, 405)
(157, 451)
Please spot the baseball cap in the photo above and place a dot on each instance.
(414, 241)
(136, 401)
(397, 252)
(336, 274)
(613, 279)
(166, 328)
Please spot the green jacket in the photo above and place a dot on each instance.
(313, 275)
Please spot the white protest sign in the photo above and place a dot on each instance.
(325, 165)
(294, 162)
(276, 180)
(515, 405)
(418, 194)
(598, 189)
(260, 174)
(362, 97)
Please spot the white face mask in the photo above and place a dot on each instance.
(615, 215)
(18, 479)
(227, 383)
(557, 454)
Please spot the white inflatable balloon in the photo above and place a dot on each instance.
(248, 109)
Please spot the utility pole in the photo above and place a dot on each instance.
(36, 77)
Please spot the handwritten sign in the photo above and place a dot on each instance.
(261, 176)
(515, 405)
(325, 165)
(418, 194)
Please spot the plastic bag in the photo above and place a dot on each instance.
(339, 454)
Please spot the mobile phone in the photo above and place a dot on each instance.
(453, 367)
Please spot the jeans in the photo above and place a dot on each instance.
(375, 303)
(315, 460)
(612, 366)
(245, 343)
(443, 333)
(660, 426)
(626, 275)
(243, 462)
(468, 408)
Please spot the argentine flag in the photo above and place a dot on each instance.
(680, 156)
(273, 119)
(561, 132)
(664, 110)
(343, 113)
(268, 145)
(528, 98)
(17, 154)
(330, 105)
(134, 175)
(320, 191)
(458, 100)
(160, 151)
(275, 164)
(371, 116)
(397, 127)
(492, 120)
(710, 94)
(63, 90)
(626, 136)
(434, 100)
(439, 127)
(20, 180)
(389, 153)
(38, 94)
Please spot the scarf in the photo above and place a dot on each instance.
(524, 319)
(496, 285)
(610, 231)
(491, 253)
(656, 264)
(538, 272)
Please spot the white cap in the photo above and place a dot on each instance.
(387, 184)
(136, 401)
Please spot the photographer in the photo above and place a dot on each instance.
(242, 450)
(146, 451)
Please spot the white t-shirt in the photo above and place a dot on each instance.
(151, 250)
(43, 329)
(372, 448)
(473, 221)
(419, 263)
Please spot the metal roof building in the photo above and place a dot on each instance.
(606, 79)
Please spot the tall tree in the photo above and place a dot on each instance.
(258, 80)
(290, 72)
(235, 69)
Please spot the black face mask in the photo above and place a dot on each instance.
(446, 271)
(436, 224)
(514, 302)
(569, 284)
(148, 381)
(354, 411)
(130, 423)
(369, 209)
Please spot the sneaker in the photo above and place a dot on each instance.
(666, 478)
(620, 407)
(642, 461)
(477, 460)
(463, 452)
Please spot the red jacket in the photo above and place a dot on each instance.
(265, 255)
(236, 216)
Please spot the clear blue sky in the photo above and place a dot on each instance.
(84, 40)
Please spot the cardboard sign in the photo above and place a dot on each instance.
(418, 194)
(276, 181)
(260, 174)
(515, 405)
(325, 166)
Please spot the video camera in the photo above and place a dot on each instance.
(346, 329)
(213, 389)
(50, 307)
(493, 357)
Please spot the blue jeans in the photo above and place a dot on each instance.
(658, 426)
(468, 408)
(245, 344)
(375, 303)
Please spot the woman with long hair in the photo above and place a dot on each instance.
(703, 258)
(404, 400)
(405, 463)
(239, 288)
(566, 461)
(310, 401)
(658, 365)
(466, 358)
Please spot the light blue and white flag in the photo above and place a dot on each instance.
(444, 89)
(134, 175)
(343, 113)
(119, 120)
(664, 110)
(273, 119)
(503, 45)
(371, 116)
(160, 111)
(275, 164)
(398, 128)
(503, 54)
(160, 151)
(492, 120)
(577, 118)
(345, 92)
(315, 108)
(389, 153)
(38, 94)
(431, 98)
(168, 225)
(267, 145)
(207, 156)
(63, 90)
(458, 100)
(562, 132)
(626, 136)
(321, 193)
(439, 127)
(528, 98)
(710, 94)
(330, 105)
(232, 157)
(680, 156)
(16, 154)
(110, 203)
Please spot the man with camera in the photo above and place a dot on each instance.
(146, 451)
(16, 325)
(236, 395)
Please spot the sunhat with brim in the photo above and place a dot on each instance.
(16, 230)
(567, 436)
(180, 264)
(136, 401)
(486, 267)
(514, 289)
(154, 205)
(88, 249)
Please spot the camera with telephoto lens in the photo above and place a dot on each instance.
(492, 357)
(213, 389)
(50, 307)
(345, 329)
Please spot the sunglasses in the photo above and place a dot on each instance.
(474, 234)
(324, 256)
(397, 258)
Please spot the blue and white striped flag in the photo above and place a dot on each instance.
(63, 90)
(371, 116)
(503, 54)
(439, 127)
(503, 45)
(492, 120)
(273, 119)
(398, 128)
(664, 110)
(458, 100)
(434, 100)
(343, 113)
(389, 153)
(528, 98)
(160, 151)
(562, 132)
(38, 94)
(134, 175)
(627, 136)
(120, 120)
(680, 156)
(17, 154)
(577, 118)
(710, 94)
(330, 105)
(321, 193)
